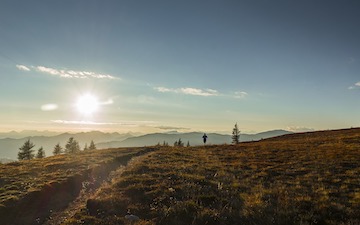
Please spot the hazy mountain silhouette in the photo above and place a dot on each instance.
(9, 147)
(195, 138)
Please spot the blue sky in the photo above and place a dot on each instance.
(155, 66)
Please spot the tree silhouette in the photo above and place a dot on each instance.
(57, 149)
(86, 147)
(72, 146)
(41, 153)
(92, 145)
(26, 151)
(179, 143)
(235, 135)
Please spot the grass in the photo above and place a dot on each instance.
(309, 178)
(30, 189)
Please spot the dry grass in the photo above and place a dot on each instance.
(310, 178)
(30, 188)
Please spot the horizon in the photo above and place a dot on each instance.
(159, 66)
(164, 132)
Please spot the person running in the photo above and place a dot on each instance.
(204, 138)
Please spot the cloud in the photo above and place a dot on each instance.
(357, 85)
(66, 73)
(23, 68)
(73, 73)
(202, 92)
(189, 91)
(86, 122)
(172, 128)
(49, 107)
(163, 89)
(299, 129)
(240, 94)
(199, 92)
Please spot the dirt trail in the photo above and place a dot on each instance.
(88, 190)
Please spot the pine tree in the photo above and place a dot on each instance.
(40, 154)
(235, 135)
(26, 151)
(72, 146)
(179, 143)
(86, 147)
(188, 144)
(57, 149)
(92, 145)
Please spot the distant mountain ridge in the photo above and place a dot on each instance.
(194, 138)
(9, 147)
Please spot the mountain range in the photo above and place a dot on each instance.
(9, 146)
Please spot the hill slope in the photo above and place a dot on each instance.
(302, 178)
(308, 178)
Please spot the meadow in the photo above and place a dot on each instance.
(309, 178)
(31, 189)
(305, 178)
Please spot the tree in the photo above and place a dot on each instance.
(86, 147)
(235, 135)
(72, 146)
(26, 151)
(92, 145)
(188, 144)
(179, 143)
(57, 149)
(40, 154)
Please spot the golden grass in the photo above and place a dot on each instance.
(30, 188)
(310, 178)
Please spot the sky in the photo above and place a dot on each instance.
(158, 66)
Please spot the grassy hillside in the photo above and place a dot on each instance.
(310, 178)
(31, 189)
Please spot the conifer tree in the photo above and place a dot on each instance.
(57, 149)
(72, 146)
(92, 145)
(235, 135)
(188, 144)
(26, 151)
(41, 153)
(86, 147)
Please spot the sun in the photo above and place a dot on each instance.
(87, 104)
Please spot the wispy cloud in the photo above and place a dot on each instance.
(172, 128)
(86, 122)
(201, 92)
(63, 73)
(22, 67)
(240, 94)
(81, 122)
(73, 73)
(189, 91)
(299, 129)
(356, 85)
(49, 107)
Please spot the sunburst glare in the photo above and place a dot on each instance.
(87, 104)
